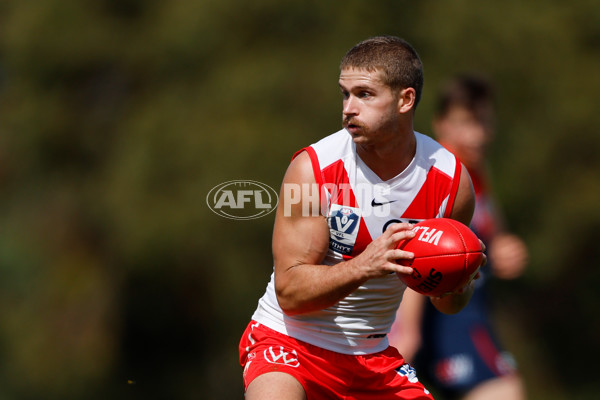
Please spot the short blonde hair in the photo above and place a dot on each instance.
(397, 60)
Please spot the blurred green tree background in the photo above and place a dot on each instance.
(118, 116)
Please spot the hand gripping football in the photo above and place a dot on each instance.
(447, 255)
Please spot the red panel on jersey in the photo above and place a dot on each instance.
(429, 199)
(337, 184)
(362, 240)
(455, 183)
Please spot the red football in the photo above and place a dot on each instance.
(447, 256)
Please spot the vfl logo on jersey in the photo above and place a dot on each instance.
(282, 357)
(343, 228)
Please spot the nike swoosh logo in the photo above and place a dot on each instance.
(375, 204)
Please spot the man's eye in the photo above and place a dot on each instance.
(364, 95)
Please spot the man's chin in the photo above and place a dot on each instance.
(359, 140)
(354, 131)
(355, 136)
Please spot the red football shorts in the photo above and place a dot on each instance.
(326, 374)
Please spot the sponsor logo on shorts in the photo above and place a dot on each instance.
(279, 355)
(409, 372)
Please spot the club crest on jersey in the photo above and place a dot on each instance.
(343, 228)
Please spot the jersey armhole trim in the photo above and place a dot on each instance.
(314, 160)
(453, 188)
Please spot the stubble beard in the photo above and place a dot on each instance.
(367, 135)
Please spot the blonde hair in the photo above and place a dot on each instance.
(397, 60)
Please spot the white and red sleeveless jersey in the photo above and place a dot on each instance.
(359, 206)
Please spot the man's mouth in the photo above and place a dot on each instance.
(351, 125)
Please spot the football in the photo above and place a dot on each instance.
(447, 255)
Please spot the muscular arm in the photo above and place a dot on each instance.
(464, 205)
(300, 242)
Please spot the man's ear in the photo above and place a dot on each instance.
(407, 100)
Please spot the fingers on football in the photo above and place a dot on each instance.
(403, 270)
(399, 226)
(396, 255)
(402, 235)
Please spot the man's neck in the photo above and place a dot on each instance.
(389, 161)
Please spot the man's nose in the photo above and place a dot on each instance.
(350, 106)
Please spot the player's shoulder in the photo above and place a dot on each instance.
(333, 147)
(339, 137)
(432, 152)
(300, 169)
(429, 145)
(327, 150)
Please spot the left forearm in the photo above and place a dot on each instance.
(454, 302)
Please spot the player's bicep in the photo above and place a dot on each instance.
(300, 235)
(464, 203)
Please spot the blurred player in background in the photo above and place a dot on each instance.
(458, 354)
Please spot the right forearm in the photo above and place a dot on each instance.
(304, 288)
